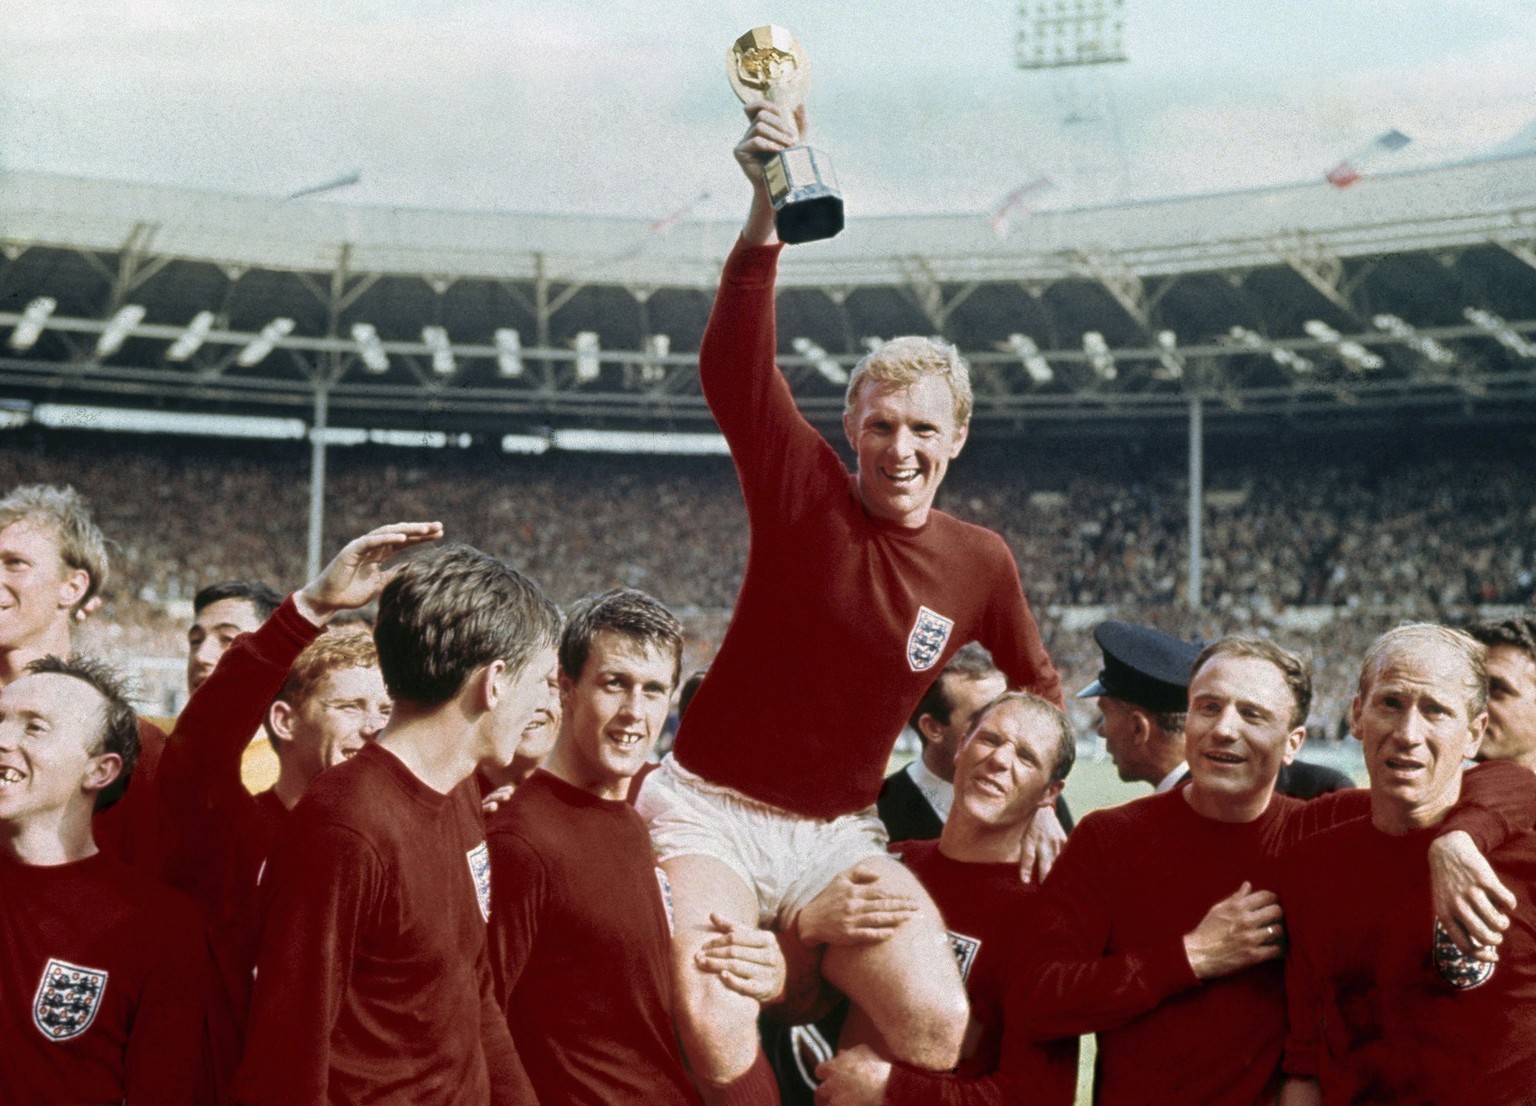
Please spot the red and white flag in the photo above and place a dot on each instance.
(1357, 164)
(1018, 202)
(667, 222)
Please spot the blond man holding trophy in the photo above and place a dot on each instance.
(857, 593)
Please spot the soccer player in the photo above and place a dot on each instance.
(1013, 763)
(1165, 932)
(577, 889)
(102, 972)
(372, 982)
(857, 591)
(53, 563)
(1511, 645)
(321, 696)
(1381, 1010)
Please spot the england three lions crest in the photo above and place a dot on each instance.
(68, 997)
(925, 644)
(480, 871)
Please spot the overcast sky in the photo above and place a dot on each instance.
(610, 107)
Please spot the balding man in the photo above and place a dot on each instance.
(1383, 1008)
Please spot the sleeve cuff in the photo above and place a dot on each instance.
(1168, 970)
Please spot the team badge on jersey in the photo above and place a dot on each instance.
(1456, 967)
(965, 950)
(925, 644)
(480, 871)
(68, 997)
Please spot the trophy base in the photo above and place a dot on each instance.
(807, 205)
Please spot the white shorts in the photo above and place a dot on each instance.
(786, 858)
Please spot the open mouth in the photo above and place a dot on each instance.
(9, 776)
(1404, 766)
(1231, 759)
(901, 476)
(626, 740)
(990, 787)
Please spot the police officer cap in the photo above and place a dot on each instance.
(1143, 666)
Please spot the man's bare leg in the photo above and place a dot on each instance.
(906, 989)
(717, 1026)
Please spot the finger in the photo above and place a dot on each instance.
(1243, 890)
(1476, 904)
(724, 925)
(1266, 915)
(1258, 900)
(1480, 933)
(863, 875)
(1501, 895)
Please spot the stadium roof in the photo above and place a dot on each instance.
(1293, 300)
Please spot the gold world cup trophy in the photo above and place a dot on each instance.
(768, 62)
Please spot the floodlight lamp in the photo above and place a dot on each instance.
(871, 343)
(1035, 365)
(509, 352)
(1320, 330)
(1501, 331)
(588, 365)
(657, 347)
(33, 319)
(265, 342)
(366, 335)
(1098, 355)
(1168, 354)
(191, 339)
(436, 340)
(118, 328)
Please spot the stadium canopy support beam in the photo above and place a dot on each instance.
(542, 307)
(1195, 588)
(316, 481)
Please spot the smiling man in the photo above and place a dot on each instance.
(101, 970)
(1165, 932)
(372, 982)
(579, 926)
(857, 594)
(1381, 1011)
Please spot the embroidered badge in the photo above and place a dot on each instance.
(480, 871)
(965, 950)
(930, 633)
(1457, 968)
(68, 997)
(666, 897)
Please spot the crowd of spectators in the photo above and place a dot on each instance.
(1321, 544)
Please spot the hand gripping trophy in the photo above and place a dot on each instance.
(768, 62)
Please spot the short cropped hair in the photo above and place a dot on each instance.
(68, 514)
(452, 610)
(690, 688)
(972, 662)
(1519, 632)
(1066, 745)
(119, 731)
(1411, 637)
(627, 612)
(903, 361)
(1293, 668)
(263, 598)
(336, 649)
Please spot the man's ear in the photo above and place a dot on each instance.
(961, 435)
(280, 716)
(1052, 793)
(103, 769)
(487, 687)
(930, 729)
(1475, 734)
(1293, 743)
(73, 587)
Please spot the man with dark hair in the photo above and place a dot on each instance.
(914, 801)
(220, 613)
(53, 562)
(1164, 931)
(854, 583)
(1383, 1007)
(1511, 645)
(1142, 694)
(372, 982)
(577, 889)
(321, 695)
(1013, 763)
(102, 971)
